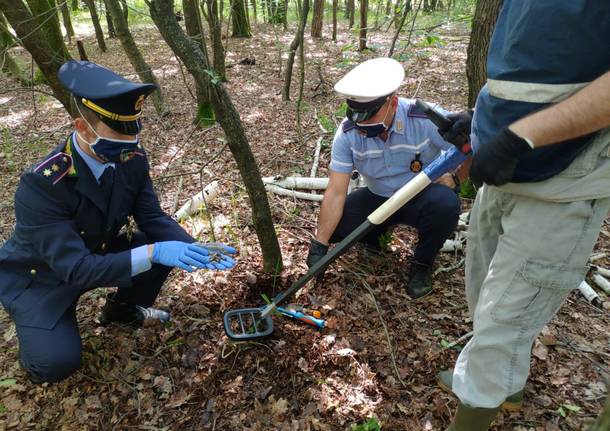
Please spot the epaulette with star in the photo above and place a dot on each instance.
(55, 167)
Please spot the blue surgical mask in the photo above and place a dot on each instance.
(110, 149)
(375, 129)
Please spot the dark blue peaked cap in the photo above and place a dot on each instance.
(116, 101)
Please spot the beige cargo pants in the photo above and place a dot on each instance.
(523, 257)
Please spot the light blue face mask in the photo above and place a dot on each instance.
(110, 149)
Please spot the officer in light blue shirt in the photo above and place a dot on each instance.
(388, 141)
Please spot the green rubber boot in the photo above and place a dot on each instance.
(472, 418)
(512, 403)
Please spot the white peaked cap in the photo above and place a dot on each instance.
(371, 80)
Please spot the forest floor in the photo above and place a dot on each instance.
(187, 375)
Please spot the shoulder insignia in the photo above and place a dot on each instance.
(415, 112)
(347, 126)
(55, 167)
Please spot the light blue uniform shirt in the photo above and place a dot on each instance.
(386, 165)
(140, 261)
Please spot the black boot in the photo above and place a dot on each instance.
(129, 314)
(420, 280)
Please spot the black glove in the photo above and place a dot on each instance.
(494, 163)
(459, 131)
(317, 251)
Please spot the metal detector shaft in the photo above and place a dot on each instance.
(446, 162)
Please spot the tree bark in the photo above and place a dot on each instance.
(36, 41)
(485, 16)
(45, 13)
(364, 11)
(125, 11)
(239, 19)
(351, 11)
(298, 39)
(135, 56)
(99, 34)
(74, 5)
(65, 12)
(317, 18)
(253, 2)
(109, 23)
(335, 20)
(218, 50)
(9, 64)
(194, 29)
(161, 12)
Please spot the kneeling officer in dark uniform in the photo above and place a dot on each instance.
(69, 211)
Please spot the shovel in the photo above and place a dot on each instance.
(253, 323)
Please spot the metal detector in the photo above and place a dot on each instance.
(252, 323)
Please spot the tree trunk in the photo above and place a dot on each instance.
(364, 11)
(218, 50)
(335, 20)
(36, 41)
(485, 16)
(135, 56)
(65, 13)
(99, 34)
(45, 13)
(239, 19)
(194, 29)
(317, 18)
(253, 2)
(125, 11)
(75, 5)
(9, 64)
(351, 10)
(298, 39)
(109, 23)
(161, 12)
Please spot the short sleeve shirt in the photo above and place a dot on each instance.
(386, 166)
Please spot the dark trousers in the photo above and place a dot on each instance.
(51, 355)
(434, 212)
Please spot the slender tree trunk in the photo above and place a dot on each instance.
(75, 4)
(485, 16)
(335, 20)
(218, 50)
(298, 39)
(36, 41)
(161, 12)
(65, 13)
(388, 8)
(99, 34)
(194, 29)
(45, 13)
(109, 23)
(9, 64)
(135, 56)
(351, 12)
(254, 10)
(317, 18)
(125, 10)
(397, 33)
(364, 11)
(285, 14)
(239, 20)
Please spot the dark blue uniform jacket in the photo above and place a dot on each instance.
(64, 226)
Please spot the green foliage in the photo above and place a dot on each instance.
(215, 77)
(431, 39)
(7, 382)
(565, 408)
(385, 239)
(2, 408)
(369, 425)
(341, 111)
(467, 189)
(327, 123)
(39, 77)
(205, 115)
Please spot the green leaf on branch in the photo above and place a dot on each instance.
(215, 78)
(7, 382)
(369, 425)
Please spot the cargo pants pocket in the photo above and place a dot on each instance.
(535, 294)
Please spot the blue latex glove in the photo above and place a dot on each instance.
(188, 257)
